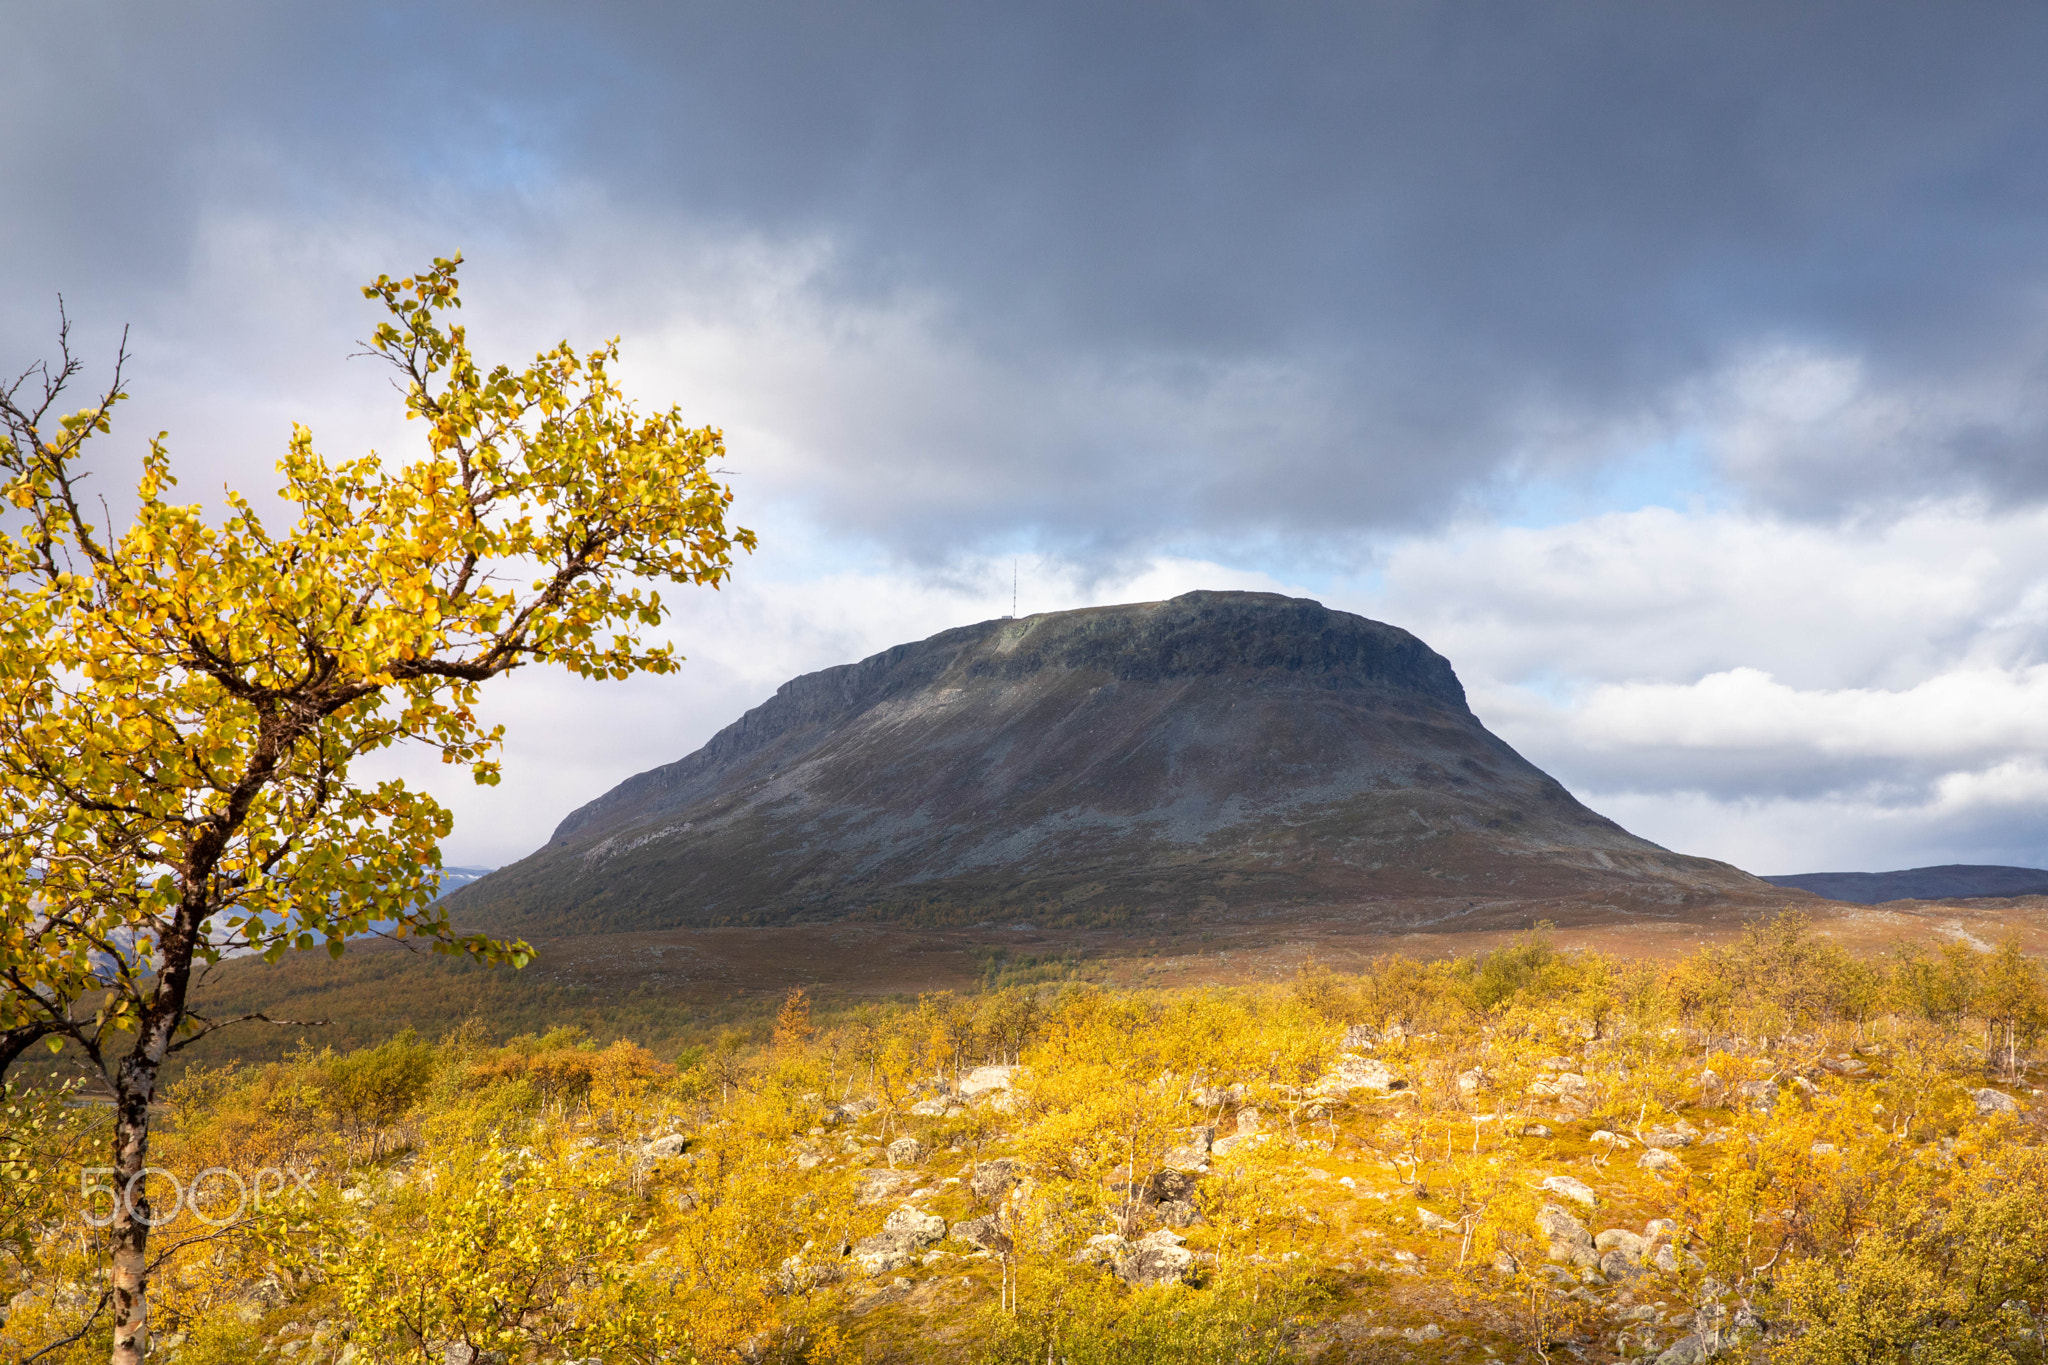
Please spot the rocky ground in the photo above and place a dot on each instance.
(1530, 1155)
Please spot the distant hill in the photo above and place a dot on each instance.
(1951, 881)
(453, 879)
(1217, 753)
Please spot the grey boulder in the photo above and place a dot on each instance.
(1154, 1259)
(991, 1179)
(904, 1233)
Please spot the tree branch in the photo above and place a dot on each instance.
(105, 1296)
(213, 1026)
(17, 1040)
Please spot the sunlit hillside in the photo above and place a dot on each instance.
(1775, 1151)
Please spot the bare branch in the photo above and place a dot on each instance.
(106, 1297)
(218, 1024)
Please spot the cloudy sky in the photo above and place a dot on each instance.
(1679, 372)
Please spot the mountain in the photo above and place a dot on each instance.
(1222, 752)
(1950, 881)
(453, 879)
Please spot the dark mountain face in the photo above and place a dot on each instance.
(1950, 881)
(1221, 751)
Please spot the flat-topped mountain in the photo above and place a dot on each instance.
(1222, 751)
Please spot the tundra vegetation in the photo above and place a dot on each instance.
(1773, 1151)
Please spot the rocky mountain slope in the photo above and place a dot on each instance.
(1221, 752)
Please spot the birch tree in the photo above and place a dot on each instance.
(184, 702)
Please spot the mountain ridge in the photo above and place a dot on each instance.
(1396, 662)
(1215, 753)
(1947, 881)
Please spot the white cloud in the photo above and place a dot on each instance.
(1788, 696)
(1994, 816)
(1670, 595)
(1971, 713)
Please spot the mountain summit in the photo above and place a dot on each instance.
(1219, 752)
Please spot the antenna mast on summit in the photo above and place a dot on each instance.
(1013, 589)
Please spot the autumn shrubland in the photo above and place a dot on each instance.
(1773, 1150)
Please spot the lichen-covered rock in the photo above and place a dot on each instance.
(1360, 1073)
(460, 1353)
(1102, 1249)
(986, 1080)
(1242, 1138)
(880, 1254)
(1656, 1159)
(1557, 1224)
(905, 1151)
(1567, 1237)
(878, 1185)
(983, 1233)
(798, 1276)
(1991, 1101)
(851, 1111)
(1619, 1265)
(992, 1178)
(1575, 1190)
(662, 1148)
(1156, 1258)
(1166, 1187)
(1564, 1085)
(1759, 1095)
(904, 1233)
(1192, 1155)
(1621, 1239)
(913, 1222)
(1687, 1350)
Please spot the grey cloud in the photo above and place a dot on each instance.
(1467, 239)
